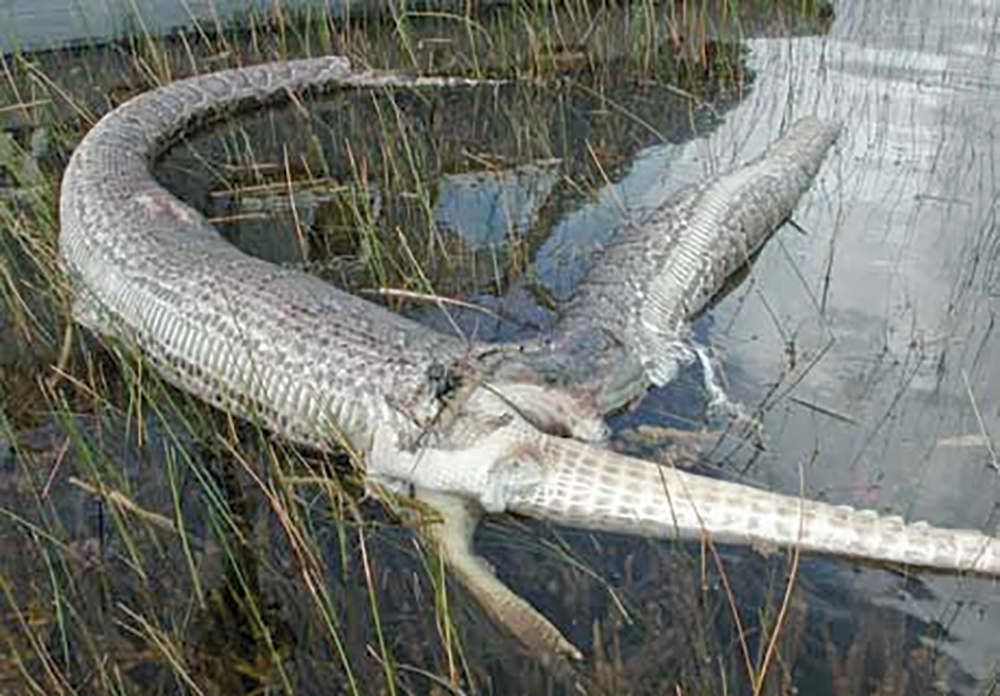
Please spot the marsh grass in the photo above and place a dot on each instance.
(154, 545)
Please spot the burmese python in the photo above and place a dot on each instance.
(523, 431)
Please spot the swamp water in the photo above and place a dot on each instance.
(149, 545)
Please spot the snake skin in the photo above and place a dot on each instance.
(308, 360)
(665, 267)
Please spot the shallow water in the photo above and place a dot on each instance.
(888, 300)
(865, 345)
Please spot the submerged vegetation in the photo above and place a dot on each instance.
(154, 545)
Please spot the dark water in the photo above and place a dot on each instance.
(865, 345)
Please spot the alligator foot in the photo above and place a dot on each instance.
(452, 537)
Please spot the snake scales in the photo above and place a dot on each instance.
(524, 431)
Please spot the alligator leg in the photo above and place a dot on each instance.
(518, 469)
(452, 537)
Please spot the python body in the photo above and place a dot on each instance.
(523, 432)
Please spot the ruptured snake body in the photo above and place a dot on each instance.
(524, 433)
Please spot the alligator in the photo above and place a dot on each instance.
(469, 429)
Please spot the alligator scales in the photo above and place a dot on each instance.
(523, 432)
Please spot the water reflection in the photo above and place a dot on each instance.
(494, 207)
(886, 300)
